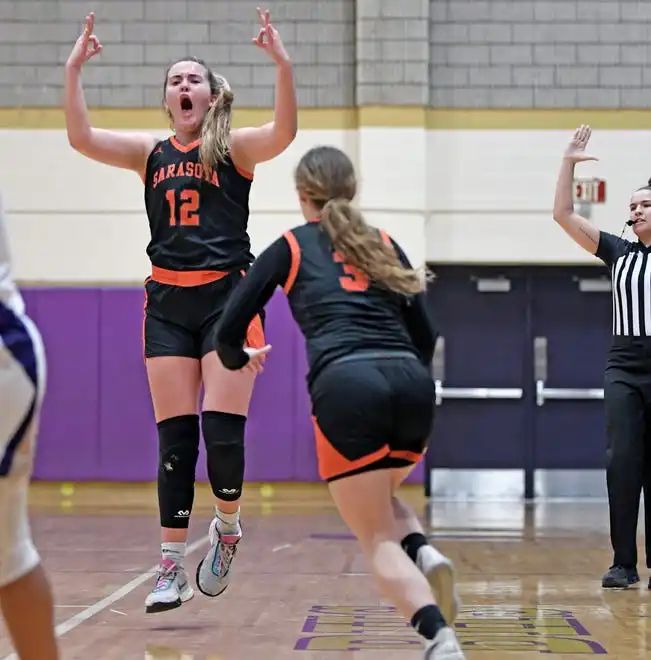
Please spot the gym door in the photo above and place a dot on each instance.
(479, 370)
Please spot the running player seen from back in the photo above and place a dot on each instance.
(25, 594)
(197, 185)
(362, 311)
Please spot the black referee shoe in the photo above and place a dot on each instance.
(619, 577)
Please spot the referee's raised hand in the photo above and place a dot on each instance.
(575, 150)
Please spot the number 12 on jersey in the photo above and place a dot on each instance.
(183, 207)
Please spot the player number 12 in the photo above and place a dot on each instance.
(188, 208)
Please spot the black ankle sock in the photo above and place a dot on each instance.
(428, 621)
(412, 543)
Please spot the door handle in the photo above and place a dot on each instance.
(567, 393)
(477, 393)
(557, 393)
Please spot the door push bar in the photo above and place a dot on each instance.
(544, 393)
(482, 393)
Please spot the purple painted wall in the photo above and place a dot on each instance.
(97, 422)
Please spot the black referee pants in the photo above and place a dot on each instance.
(627, 394)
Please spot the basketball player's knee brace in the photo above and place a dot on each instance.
(178, 439)
(223, 434)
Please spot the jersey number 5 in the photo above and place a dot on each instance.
(188, 209)
(353, 279)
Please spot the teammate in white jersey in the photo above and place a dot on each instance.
(25, 594)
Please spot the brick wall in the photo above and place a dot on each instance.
(540, 54)
(445, 53)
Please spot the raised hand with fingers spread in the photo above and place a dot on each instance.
(87, 46)
(575, 150)
(580, 229)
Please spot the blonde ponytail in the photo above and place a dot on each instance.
(216, 127)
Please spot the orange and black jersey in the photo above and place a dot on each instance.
(337, 309)
(198, 218)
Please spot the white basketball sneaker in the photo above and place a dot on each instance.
(214, 571)
(171, 590)
(445, 646)
(439, 572)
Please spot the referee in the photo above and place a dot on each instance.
(627, 382)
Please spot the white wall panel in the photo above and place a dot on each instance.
(448, 196)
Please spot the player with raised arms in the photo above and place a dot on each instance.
(196, 189)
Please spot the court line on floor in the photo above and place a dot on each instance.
(278, 548)
(107, 601)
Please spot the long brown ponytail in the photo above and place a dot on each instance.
(363, 247)
(326, 176)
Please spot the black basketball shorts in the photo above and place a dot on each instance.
(181, 320)
(371, 413)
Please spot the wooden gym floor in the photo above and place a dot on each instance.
(529, 578)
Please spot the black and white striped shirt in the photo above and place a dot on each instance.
(630, 268)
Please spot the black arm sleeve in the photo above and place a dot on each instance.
(270, 270)
(610, 247)
(417, 320)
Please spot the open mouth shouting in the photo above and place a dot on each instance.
(186, 105)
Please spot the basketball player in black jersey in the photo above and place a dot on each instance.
(197, 186)
(369, 341)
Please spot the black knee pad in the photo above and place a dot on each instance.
(223, 434)
(178, 440)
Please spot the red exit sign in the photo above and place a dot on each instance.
(589, 191)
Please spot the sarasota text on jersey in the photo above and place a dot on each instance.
(185, 168)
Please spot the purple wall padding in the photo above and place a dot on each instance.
(69, 438)
(128, 444)
(97, 422)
